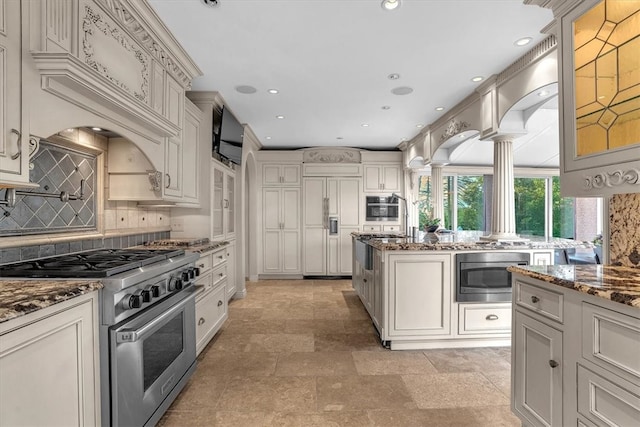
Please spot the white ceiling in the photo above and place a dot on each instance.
(330, 60)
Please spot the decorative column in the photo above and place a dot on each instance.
(503, 217)
(437, 194)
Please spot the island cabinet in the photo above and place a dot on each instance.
(49, 366)
(575, 357)
(211, 295)
(419, 292)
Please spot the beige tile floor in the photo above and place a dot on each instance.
(304, 353)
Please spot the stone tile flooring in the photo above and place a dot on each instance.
(304, 353)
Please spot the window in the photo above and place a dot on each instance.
(470, 203)
(530, 196)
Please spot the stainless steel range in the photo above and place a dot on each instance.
(147, 326)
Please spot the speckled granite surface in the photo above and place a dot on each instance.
(197, 245)
(615, 283)
(624, 228)
(22, 296)
(467, 241)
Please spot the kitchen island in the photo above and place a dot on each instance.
(576, 345)
(408, 286)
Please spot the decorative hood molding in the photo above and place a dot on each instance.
(331, 155)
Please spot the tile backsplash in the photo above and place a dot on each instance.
(624, 229)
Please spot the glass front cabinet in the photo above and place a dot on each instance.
(600, 86)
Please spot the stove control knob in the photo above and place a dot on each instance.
(197, 271)
(192, 273)
(175, 284)
(146, 295)
(131, 301)
(185, 276)
(155, 291)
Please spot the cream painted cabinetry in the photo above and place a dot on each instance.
(280, 174)
(574, 357)
(419, 295)
(599, 79)
(231, 287)
(222, 202)
(49, 366)
(211, 298)
(281, 230)
(14, 153)
(381, 177)
(190, 148)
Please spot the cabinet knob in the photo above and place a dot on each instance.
(492, 317)
(220, 303)
(201, 321)
(535, 299)
(201, 265)
(553, 363)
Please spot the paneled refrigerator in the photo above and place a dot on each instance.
(331, 211)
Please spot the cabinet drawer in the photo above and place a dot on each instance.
(390, 228)
(219, 257)
(607, 404)
(203, 284)
(205, 263)
(542, 301)
(210, 311)
(371, 228)
(612, 341)
(218, 275)
(484, 319)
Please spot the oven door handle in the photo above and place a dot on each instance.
(133, 335)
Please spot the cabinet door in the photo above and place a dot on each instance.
(217, 203)
(173, 167)
(190, 157)
(391, 178)
(290, 230)
(537, 369)
(291, 174)
(314, 232)
(419, 295)
(372, 178)
(47, 370)
(230, 206)
(13, 153)
(231, 287)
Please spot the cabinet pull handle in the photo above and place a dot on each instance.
(364, 280)
(535, 299)
(219, 303)
(492, 317)
(201, 321)
(168, 180)
(220, 257)
(553, 363)
(18, 144)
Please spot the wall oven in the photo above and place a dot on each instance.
(382, 208)
(483, 276)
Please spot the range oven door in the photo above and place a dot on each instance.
(151, 354)
(483, 277)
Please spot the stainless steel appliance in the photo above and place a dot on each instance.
(147, 325)
(483, 276)
(382, 208)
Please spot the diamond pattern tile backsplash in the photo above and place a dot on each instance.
(56, 169)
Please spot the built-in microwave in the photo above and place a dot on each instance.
(382, 208)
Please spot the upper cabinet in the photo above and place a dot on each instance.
(14, 154)
(600, 85)
(280, 174)
(378, 178)
(222, 202)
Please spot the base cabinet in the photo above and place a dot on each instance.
(574, 357)
(49, 367)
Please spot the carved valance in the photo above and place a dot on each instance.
(331, 155)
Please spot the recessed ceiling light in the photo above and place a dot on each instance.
(390, 4)
(246, 89)
(273, 91)
(365, 125)
(439, 108)
(279, 117)
(523, 41)
(339, 137)
(393, 76)
(543, 93)
(96, 129)
(477, 79)
(402, 90)
(419, 126)
(267, 137)
(386, 107)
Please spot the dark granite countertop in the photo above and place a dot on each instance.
(197, 245)
(465, 241)
(618, 284)
(22, 296)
